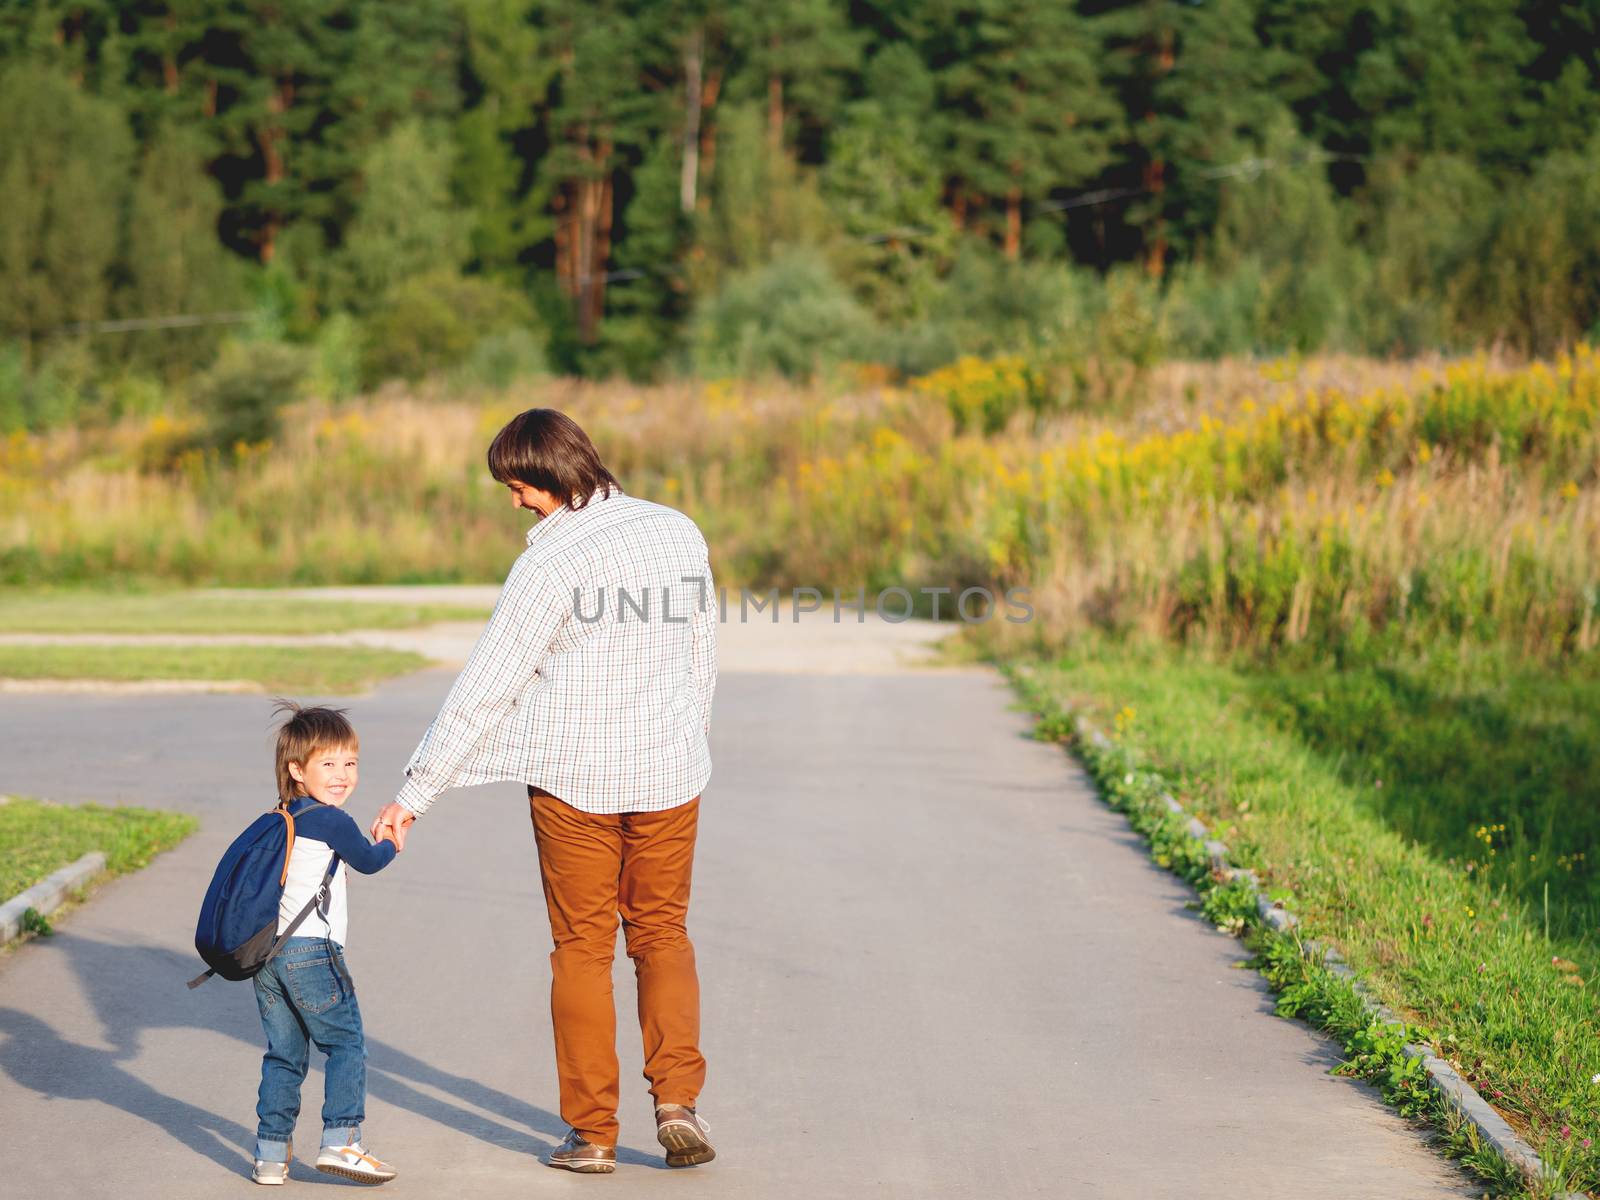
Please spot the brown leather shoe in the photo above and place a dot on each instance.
(684, 1135)
(576, 1154)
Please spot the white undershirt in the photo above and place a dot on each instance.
(308, 862)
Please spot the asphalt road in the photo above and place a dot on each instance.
(934, 965)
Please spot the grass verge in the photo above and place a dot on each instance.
(1495, 985)
(38, 839)
(72, 611)
(315, 669)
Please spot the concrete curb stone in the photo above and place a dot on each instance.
(49, 894)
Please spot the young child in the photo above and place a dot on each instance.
(305, 992)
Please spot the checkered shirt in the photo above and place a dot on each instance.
(593, 679)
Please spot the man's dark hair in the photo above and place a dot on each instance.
(548, 450)
(305, 733)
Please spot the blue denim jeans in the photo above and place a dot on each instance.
(306, 997)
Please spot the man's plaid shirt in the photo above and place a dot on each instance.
(594, 677)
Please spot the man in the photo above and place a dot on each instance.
(592, 684)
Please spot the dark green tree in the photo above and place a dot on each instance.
(510, 75)
(794, 57)
(1022, 110)
(598, 119)
(64, 158)
(883, 183)
(406, 223)
(1196, 86)
(174, 262)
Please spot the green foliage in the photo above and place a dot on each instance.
(504, 52)
(63, 385)
(336, 370)
(63, 169)
(1244, 176)
(1021, 110)
(406, 224)
(500, 359)
(434, 321)
(790, 316)
(1284, 228)
(1542, 284)
(244, 394)
(1377, 1053)
(646, 306)
(883, 183)
(794, 57)
(990, 306)
(1433, 218)
(14, 384)
(175, 264)
(1230, 906)
(36, 923)
(760, 203)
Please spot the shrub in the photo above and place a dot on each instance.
(434, 321)
(790, 316)
(1208, 313)
(244, 393)
(990, 306)
(336, 373)
(13, 388)
(503, 357)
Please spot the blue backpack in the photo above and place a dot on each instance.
(237, 933)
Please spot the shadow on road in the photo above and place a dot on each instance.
(135, 988)
(34, 1055)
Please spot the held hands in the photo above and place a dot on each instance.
(392, 822)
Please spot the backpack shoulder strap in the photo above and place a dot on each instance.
(288, 850)
(318, 902)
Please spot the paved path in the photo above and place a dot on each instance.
(934, 966)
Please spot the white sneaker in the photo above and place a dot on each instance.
(353, 1162)
(273, 1174)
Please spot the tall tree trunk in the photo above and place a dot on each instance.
(958, 208)
(272, 138)
(561, 205)
(1155, 171)
(775, 107)
(583, 236)
(601, 254)
(169, 60)
(693, 95)
(1014, 223)
(1155, 183)
(708, 136)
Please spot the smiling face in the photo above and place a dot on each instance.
(525, 495)
(329, 775)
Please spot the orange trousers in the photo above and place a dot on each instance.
(594, 867)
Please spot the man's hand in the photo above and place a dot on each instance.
(392, 822)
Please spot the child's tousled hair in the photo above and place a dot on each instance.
(302, 734)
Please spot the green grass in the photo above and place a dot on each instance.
(313, 669)
(1286, 765)
(37, 839)
(71, 611)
